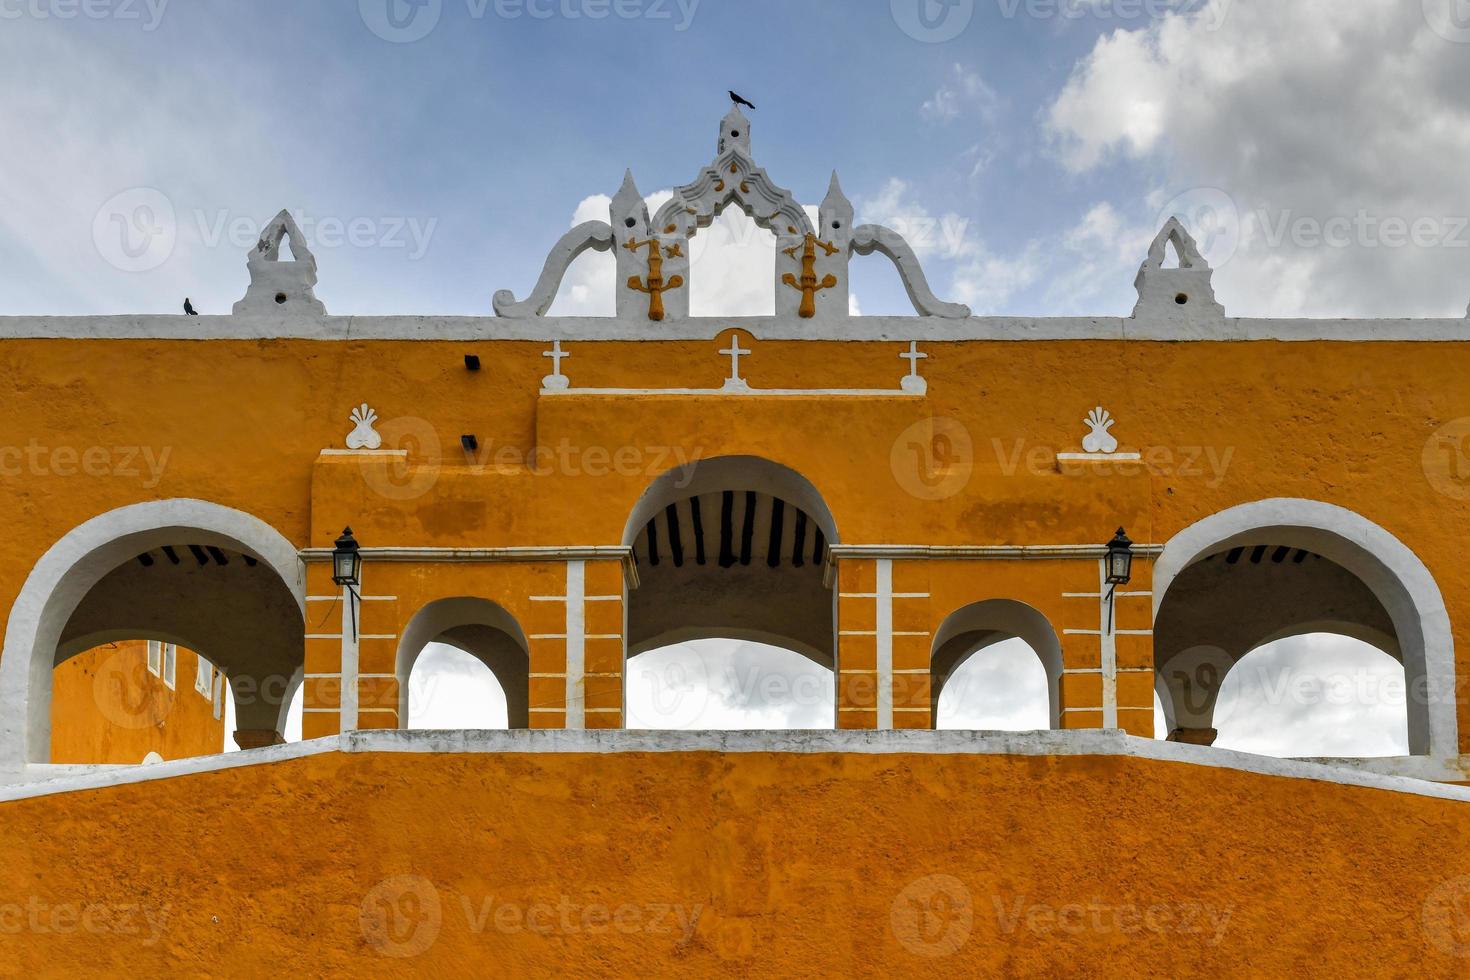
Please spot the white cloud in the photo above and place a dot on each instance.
(1001, 688)
(962, 91)
(1307, 114)
(728, 685)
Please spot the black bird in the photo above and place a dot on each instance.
(739, 101)
(189, 307)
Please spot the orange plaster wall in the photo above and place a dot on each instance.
(788, 865)
(107, 708)
(1225, 423)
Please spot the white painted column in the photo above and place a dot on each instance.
(350, 633)
(1106, 629)
(884, 641)
(576, 645)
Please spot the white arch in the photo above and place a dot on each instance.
(1381, 561)
(75, 563)
(1004, 619)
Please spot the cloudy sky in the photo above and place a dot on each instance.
(434, 149)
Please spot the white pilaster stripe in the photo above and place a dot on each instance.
(1109, 650)
(884, 621)
(576, 645)
(349, 661)
(361, 598)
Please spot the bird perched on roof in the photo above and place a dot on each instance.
(189, 307)
(739, 101)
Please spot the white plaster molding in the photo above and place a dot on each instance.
(277, 286)
(283, 325)
(62, 577)
(363, 435)
(867, 239)
(589, 234)
(994, 552)
(44, 780)
(1098, 438)
(1184, 294)
(1387, 566)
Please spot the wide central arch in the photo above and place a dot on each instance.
(106, 548)
(732, 547)
(1370, 586)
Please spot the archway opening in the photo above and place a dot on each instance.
(728, 684)
(732, 548)
(1000, 686)
(186, 572)
(996, 664)
(128, 700)
(1317, 695)
(473, 629)
(1284, 568)
(450, 688)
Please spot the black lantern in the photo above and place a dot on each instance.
(1120, 559)
(346, 560)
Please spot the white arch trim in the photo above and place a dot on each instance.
(1381, 561)
(75, 563)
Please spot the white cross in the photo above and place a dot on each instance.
(557, 355)
(735, 351)
(913, 356)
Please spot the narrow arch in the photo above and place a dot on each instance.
(970, 629)
(1395, 579)
(69, 570)
(733, 547)
(483, 629)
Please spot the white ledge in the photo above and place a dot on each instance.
(898, 329)
(40, 780)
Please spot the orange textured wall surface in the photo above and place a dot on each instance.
(694, 864)
(106, 707)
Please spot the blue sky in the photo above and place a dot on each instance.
(1055, 143)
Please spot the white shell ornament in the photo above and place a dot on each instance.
(1099, 439)
(363, 435)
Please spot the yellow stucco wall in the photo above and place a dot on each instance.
(107, 707)
(241, 423)
(670, 864)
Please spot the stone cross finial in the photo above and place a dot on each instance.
(913, 382)
(735, 352)
(556, 381)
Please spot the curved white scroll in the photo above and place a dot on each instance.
(589, 234)
(870, 238)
